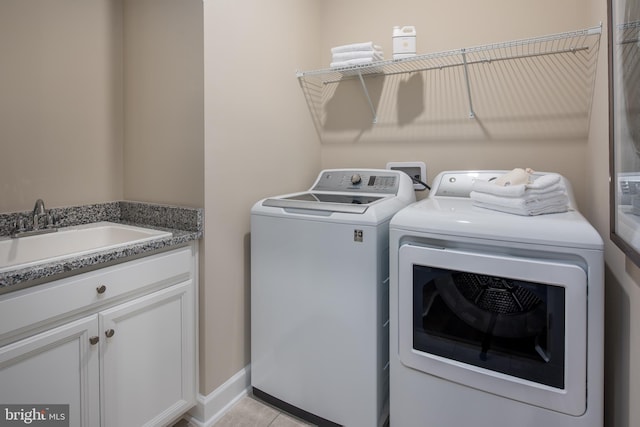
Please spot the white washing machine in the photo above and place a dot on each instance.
(496, 319)
(319, 296)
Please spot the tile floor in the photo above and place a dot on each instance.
(250, 412)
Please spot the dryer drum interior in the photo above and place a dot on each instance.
(493, 305)
(502, 324)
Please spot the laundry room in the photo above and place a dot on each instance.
(445, 137)
(215, 105)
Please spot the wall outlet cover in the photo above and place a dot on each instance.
(417, 170)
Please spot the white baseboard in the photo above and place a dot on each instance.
(209, 409)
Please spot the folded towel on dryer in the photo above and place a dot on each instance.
(546, 194)
(532, 204)
(541, 185)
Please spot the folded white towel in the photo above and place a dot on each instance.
(528, 198)
(548, 208)
(370, 46)
(531, 204)
(345, 56)
(541, 209)
(544, 183)
(351, 62)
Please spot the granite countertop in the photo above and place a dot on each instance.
(185, 224)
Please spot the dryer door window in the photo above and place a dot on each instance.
(496, 323)
(505, 325)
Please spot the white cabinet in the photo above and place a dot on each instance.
(117, 344)
(58, 366)
(146, 349)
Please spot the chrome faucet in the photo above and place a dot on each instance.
(20, 230)
(38, 211)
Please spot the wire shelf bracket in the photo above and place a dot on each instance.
(472, 114)
(366, 94)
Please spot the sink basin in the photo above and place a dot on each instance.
(70, 242)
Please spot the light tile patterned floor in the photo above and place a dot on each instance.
(250, 412)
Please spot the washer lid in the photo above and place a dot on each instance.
(333, 202)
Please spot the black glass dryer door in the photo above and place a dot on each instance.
(501, 324)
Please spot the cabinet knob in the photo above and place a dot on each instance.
(109, 333)
(101, 289)
(94, 340)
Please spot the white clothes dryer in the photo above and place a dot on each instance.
(496, 319)
(320, 296)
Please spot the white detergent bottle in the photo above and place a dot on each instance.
(404, 42)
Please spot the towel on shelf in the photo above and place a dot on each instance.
(544, 195)
(366, 46)
(350, 62)
(356, 54)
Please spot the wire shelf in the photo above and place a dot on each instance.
(576, 50)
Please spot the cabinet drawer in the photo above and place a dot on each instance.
(28, 308)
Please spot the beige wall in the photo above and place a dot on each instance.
(451, 140)
(101, 100)
(259, 141)
(163, 102)
(61, 130)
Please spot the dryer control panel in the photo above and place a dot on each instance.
(361, 180)
(460, 183)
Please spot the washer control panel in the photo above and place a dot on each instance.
(365, 181)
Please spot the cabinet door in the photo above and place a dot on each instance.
(59, 366)
(148, 358)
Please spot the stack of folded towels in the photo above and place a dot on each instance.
(518, 193)
(355, 53)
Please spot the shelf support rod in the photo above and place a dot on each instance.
(472, 114)
(366, 94)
